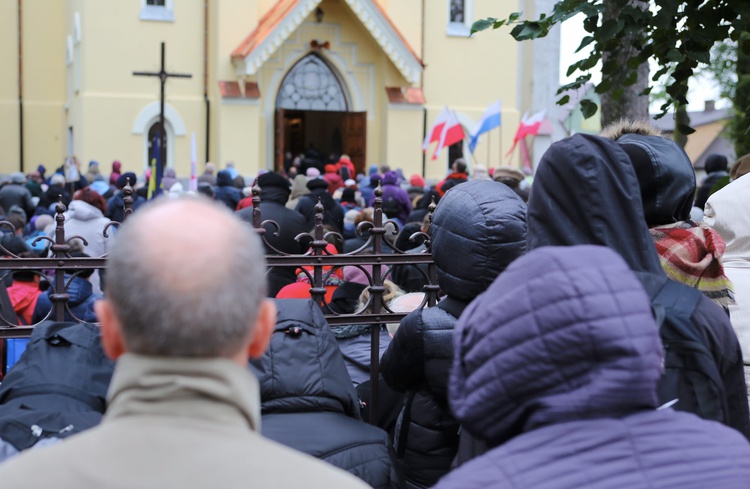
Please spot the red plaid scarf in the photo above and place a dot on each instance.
(691, 253)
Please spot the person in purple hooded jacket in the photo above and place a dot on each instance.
(556, 368)
(396, 202)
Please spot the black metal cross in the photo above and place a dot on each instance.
(163, 75)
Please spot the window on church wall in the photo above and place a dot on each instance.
(153, 134)
(157, 10)
(312, 85)
(459, 18)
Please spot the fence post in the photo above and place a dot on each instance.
(61, 249)
(376, 295)
(127, 199)
(318, 245)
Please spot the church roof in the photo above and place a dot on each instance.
(287, 15)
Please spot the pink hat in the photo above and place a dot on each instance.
(312, 172)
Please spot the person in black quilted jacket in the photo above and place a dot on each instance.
(478, 229)
(308, 401)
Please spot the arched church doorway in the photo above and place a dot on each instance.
(314, 118)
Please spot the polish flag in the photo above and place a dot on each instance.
(451, 134)
(437, 129)
(529, 126)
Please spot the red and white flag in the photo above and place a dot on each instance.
(529, 126)
(451, 134)
(436, 130)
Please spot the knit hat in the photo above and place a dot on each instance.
(348, 195)
(122, 180)
(375, 179)
(312, 172)
(330, 168)
(416, 181)
(17, 177)
(273, 179)
(715, 162)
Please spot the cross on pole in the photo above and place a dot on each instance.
(163, 75)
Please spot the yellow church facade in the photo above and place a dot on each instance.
(268, 77)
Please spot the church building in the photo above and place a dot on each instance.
(269, 79)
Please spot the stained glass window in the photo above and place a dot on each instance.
(311, 85)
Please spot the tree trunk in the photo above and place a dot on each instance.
(624, 101)
(681, 117)
(740, 126)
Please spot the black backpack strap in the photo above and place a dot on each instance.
(452, 306)
(677, 300)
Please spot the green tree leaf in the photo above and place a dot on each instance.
(588, 108)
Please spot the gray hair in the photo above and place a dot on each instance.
(186, 289)
(57, 179)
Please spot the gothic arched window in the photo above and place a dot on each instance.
(312, 85)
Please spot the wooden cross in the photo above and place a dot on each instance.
(163, 75)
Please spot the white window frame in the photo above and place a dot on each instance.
(460, 29)
(157, 13)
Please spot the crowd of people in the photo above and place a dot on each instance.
(590, 329)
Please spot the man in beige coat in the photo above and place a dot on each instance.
(184, 310)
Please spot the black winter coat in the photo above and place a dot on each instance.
(486, 221)
(586, 192)
(308, 401)
(333, 213)
(116, 206)
(225, 191)
(291, 223)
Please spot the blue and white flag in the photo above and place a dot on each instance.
(490, 120)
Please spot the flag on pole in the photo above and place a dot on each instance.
(451, 134)
(152, 184)
(489, 121)
(529, 126)
(193, 184)
(437, 128)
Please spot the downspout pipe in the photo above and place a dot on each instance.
(421, 86)
(205, 79)
(20, 89)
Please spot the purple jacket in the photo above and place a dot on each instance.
(391, 190)
(556, 367)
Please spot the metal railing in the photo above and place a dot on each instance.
(375, 258)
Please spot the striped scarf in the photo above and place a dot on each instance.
(691, 253)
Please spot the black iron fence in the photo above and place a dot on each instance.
(375, 259)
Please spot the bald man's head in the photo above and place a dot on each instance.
(186, 279)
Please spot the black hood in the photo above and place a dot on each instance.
(585, 192)
(224, 179)
(303, 369)
(477, 230)
(665, 176)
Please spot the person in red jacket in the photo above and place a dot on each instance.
(458, 175)
(333, 178)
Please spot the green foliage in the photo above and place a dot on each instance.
(677, 34)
